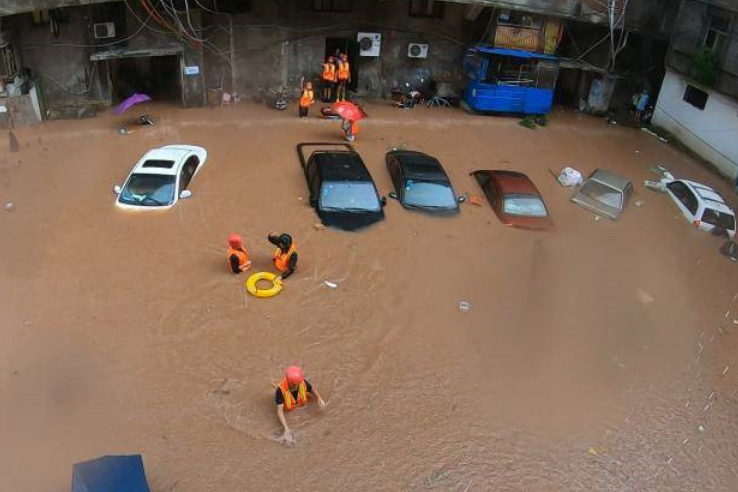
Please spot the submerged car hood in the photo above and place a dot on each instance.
(595, 206)
(431, 210)
(349, 221)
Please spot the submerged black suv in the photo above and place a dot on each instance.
(341, 188)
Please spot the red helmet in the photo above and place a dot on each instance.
(235, 240)
(294, 375)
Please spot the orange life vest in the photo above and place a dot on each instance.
(282, 261)
(241, 254)
(343, 70)
(307, 98)
(289, 401)
(329, 72)
(350, 127)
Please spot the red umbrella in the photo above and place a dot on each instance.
(349, 111)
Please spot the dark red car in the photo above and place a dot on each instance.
(515, 199)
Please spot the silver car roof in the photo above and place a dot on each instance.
(610, 179)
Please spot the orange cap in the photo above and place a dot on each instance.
(235, 240)
(294, 375)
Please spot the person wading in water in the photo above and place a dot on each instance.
(294, 391)
(285, 257)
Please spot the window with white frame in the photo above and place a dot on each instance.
(718, 31)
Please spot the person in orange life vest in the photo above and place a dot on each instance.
(285, 257)
(238, 258)
(293, 391)
(307, 99)
(343, 74)
(350, 129)
(329, 78)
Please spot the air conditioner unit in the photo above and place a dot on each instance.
(369, 43)
(417, 50)
(104, 30)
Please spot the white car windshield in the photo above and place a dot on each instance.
(603, 194)
(524, 205)
(428, 194)
(349, 196)
(148, 190)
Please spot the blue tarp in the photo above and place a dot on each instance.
(110, 474)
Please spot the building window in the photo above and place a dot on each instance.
(718, 31)
(426, 8)
(518, 19)
(233, 6)
(696, 97)
(332, 5)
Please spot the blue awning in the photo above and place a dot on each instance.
(514, 53)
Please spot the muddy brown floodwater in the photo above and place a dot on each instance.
(589, 359)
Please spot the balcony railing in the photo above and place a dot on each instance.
(519, 38)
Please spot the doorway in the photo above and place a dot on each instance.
(351, 48)
(156, 76)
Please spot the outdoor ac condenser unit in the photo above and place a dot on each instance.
(104, 30)
(369, 43)
(417, 50)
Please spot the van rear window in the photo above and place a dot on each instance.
(719, 219)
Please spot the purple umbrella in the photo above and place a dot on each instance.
(131, 101)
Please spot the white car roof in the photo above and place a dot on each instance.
(711, 197)
(171, 153)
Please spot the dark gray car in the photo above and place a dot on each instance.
(421, 183)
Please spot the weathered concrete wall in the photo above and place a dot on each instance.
(62, 65)
(710, 132)
(690, 29)
(11, 7)
(279, 43)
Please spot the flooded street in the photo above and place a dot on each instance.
(597, 356)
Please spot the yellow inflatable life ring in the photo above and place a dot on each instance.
(254, 291)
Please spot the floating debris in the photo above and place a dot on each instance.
(464, 307)
(330, 284)
(9, 206)
(700, 428)
(725, 371)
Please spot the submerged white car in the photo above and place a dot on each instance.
(701, 205)
(161, 177)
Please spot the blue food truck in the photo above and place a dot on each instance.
(504, 80)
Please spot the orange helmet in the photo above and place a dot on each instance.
(294, 375)
(235, 240)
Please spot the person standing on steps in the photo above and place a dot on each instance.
(307, 99)
(329, 78)
(344, 77)
(294, 391)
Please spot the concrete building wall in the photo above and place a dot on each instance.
(711, 133)
(71, 82)
(278, 43)
(690, 30)
(60, 64)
